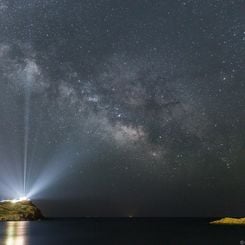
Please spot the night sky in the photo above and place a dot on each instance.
(124, 108)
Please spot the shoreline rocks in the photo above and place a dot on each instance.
(229, 221)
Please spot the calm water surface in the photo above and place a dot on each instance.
(119, 231)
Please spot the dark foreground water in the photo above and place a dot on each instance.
(120, 231)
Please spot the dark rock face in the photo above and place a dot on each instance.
(19, 211)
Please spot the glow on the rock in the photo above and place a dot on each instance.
(21, 199)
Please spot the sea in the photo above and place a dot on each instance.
(120, 231)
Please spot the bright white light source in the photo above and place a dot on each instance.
(14, 200)
(21, 199)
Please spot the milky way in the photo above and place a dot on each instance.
(135, 107)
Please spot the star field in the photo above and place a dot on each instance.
(136, 106)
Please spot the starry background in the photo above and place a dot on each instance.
(135, 107)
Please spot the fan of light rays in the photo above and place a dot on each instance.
(30, 71)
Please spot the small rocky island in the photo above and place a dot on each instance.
(229, 221)
(23, 210)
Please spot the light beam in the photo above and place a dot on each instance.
(26, 137)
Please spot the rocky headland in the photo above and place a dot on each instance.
(19, 211)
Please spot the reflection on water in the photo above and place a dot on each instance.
(16, 233)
